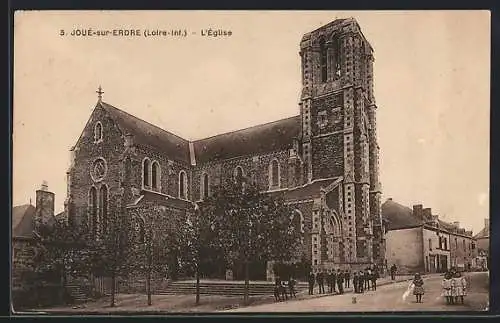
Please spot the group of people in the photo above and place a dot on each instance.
(365, 280)
(281, 286)
(338, 279)
(454, 287)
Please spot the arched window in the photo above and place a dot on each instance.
(156, 175)
(323, 60)
(204, 186)
(238, 174)
(146, 164)
(92, 221)
(182, 185)
(128, 169)
(298, 221)
(274, 174)
(140, 229)
(336, 56)
(103, 209)
(98, 132)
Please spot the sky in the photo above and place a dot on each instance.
(431, 75)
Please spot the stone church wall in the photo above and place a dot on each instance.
(86, 151)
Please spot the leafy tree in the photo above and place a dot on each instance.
(251, 225)
(111, 250)
(157, 242)
(201, 249)
(62, 251)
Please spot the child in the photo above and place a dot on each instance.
(455, 287)
(447, 288)
(461, 287)
(418, 291)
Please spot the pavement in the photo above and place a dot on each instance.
(387, 298)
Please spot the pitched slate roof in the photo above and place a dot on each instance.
(307, 191)
(23, 220)
(146, 133)
(161, 199)
(264, 138)
(447, 226)
(484, 233)
(398, 216)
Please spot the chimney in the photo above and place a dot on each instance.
(457, 224)
(44, 205)
(427, 214)
(417, 212)
(487, 224)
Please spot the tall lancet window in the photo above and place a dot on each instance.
(155, 176)
(103, 209)
(204, 186)
(323, 60)
(146, 165)
(336, 56)
(128, 169)
(182, 185)
(92, 221)
(238, 174)
(274, 174)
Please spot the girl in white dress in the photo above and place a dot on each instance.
(455, 287)
(446, 284)
(462, 287)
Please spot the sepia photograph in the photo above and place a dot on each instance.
(250, 162)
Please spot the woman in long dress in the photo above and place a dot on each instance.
(446, 283)
(418, 290)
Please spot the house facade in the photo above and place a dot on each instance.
(418, 241)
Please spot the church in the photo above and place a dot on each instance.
(324, 161)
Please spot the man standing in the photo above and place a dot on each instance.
(374, 279)
(361, 281)
(330, 281)
(355, 282)
(311, 283)
(320, 280)
(347, 277)
(393, 271)
(334, 280)
(367, 278)
(340, 281)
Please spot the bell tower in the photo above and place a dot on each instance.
(339, 138)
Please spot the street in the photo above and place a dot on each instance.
(387, 298)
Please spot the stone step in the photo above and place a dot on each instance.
(220, 288)
(77, 292)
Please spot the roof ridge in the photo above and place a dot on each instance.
(149, 123)
(247, 128)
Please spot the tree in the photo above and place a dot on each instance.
(62, 251)
(111, 250)
(251, 225)
(201, 249)
(157, 241)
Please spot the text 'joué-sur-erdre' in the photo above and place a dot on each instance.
(90, 32)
